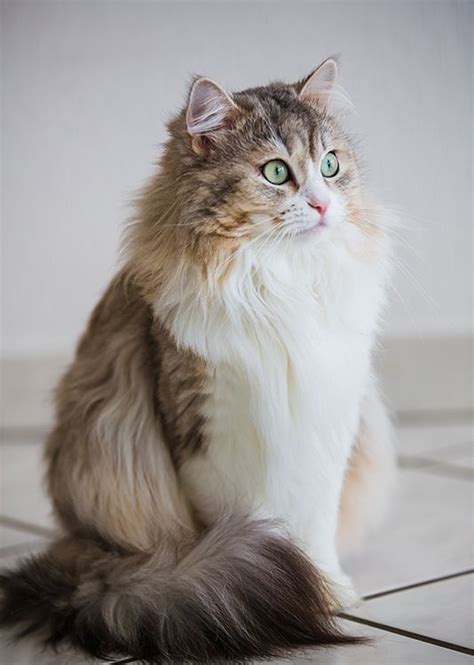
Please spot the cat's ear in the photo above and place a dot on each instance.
(318, 86)
(210, 108)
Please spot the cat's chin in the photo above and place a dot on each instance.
(316, 230)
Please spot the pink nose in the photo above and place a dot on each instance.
(320, 206)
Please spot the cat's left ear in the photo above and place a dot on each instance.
(318, 86)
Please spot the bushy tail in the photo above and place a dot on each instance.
(244, 591)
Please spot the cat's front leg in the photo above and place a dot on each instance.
(317, 539)
(322, 552)
(344, 594)
(319, 519)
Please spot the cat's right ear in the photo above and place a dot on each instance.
(210, 109)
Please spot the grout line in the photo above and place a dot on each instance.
(451, 470)
(415, 585)
(427, 459)
(408, 633)
(436, 417)
(446, 450)
(19, 548)
(26, 526)
(444, 469)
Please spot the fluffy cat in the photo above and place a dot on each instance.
(220, 430)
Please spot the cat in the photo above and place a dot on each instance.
(220, 435)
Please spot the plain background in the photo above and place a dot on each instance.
(88, 86)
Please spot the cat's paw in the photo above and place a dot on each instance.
(343, 594)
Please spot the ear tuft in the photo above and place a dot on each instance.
(209, 107)
(318, 86)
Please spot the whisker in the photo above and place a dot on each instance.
(419, 288)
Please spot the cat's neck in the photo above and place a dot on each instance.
(281, 303)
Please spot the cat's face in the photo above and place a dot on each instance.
(268, 162)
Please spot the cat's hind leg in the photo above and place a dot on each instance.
(370, 476)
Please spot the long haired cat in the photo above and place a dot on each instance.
(220, 431)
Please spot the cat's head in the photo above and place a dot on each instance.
(269, 164)
(269, 160)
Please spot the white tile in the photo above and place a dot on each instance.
(459, 455)
(12, 537)
(21, 492)
(20, 546)
(427, 534)
(11, 560)
(442, 610)
(30, 652)
(384, 648)
(432, 442)
(455, 458)
(466, 461)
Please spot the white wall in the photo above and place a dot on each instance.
(87, 87)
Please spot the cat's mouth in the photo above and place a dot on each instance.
(314, 229)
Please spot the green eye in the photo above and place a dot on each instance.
(276, 172)
(329, 165)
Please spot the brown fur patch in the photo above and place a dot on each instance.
(109, 474)
(181, 394)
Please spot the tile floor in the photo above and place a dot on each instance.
(415, 573)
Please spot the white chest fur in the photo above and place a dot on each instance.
(289, 363)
